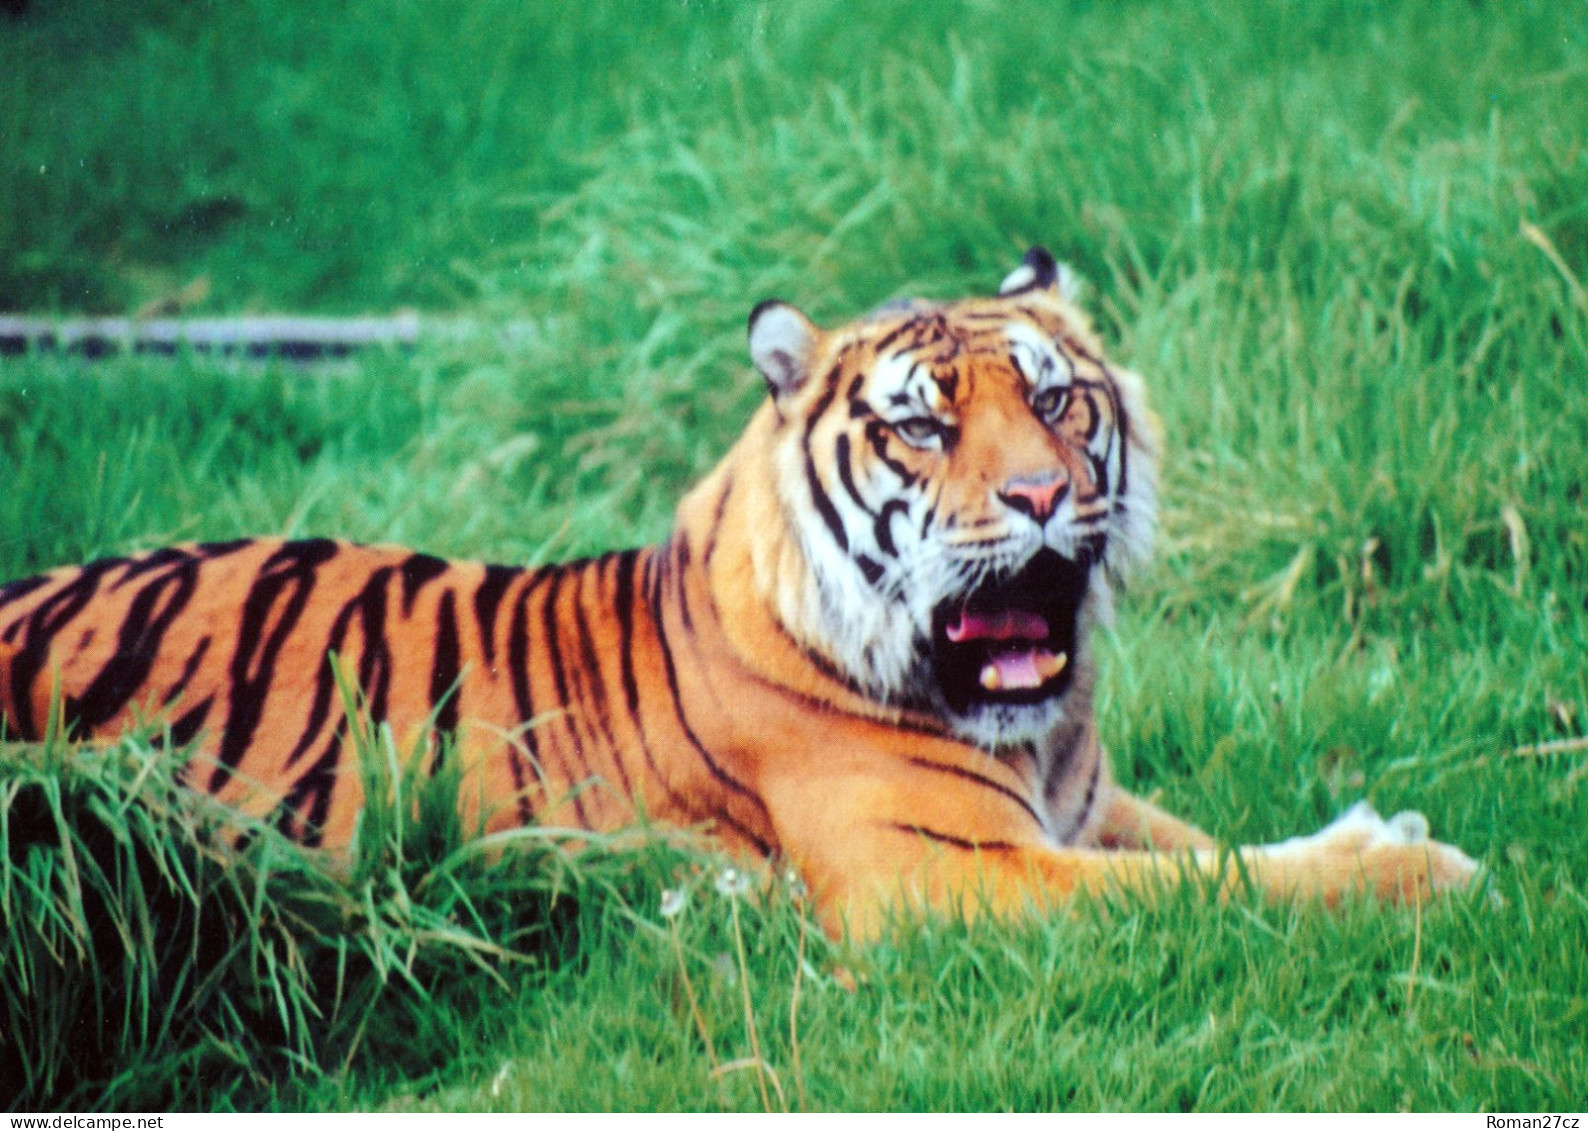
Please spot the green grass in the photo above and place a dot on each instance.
(1320, 232)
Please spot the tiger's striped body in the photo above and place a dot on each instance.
(864, 649)
(231, 640)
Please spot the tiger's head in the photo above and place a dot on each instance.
(963, 482)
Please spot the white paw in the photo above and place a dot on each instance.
(1409, 826)
(1391, 857)
(1358, 829)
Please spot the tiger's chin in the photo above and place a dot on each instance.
(1003, 657)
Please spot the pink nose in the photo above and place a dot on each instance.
(1035, 497)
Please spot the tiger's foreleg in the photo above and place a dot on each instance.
(1129, 821)
(866, 857)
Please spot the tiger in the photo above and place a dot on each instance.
(865, 653)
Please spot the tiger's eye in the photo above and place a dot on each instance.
(1050, 403)
(921, 431)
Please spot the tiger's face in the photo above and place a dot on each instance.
(964, 482)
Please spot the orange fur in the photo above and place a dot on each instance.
(791, 669)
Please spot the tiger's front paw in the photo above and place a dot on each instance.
(1362, 852)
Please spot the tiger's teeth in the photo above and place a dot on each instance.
(1043, 666)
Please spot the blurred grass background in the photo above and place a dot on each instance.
(1345, 243)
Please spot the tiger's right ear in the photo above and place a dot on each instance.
(1039, 271)
(782, 344)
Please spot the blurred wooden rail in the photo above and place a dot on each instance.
(285, 336)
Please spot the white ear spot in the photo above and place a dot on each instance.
(782, 341)
(1071, 287)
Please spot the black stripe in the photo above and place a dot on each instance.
(309, 799)
(931, 329)
(588, 722)
(1090, 389)
(138, 641)
(46, 620)
(1014, 360)
(893, 335)
(15, 591)
(211, 550)
(678, 550)
(369, 606)
(189, 669)
(846, 473)
(1091, 794)
(446, 667)
(625, 601)
(149, 563)
(859, 407)
(548, 628)
(882, 529)
(1121, 427)
(820, 705)
(1099, 476)
(596, 686)
(1073, 345)
(487, 598)
(523, 703)
(551, 627)
(1079, 820)
(824, 505)
(186, 728)
(877, 434)
(716, 524)
(831, 671)
(954, 841)
(981, 780)
(375, 665)
(290, 571)
(417, 572)
(1094, 547)
(721, 775)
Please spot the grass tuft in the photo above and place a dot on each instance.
(162, 951)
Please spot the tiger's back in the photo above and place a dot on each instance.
(541, 678)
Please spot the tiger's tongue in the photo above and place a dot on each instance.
(1021, 663)
(1000, 625)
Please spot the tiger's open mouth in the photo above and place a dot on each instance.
(1012, 639)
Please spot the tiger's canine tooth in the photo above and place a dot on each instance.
(1049, 666)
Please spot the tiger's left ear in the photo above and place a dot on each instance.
(782, 343)
(1039, 271)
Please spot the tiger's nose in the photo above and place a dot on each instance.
(1036, 497)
